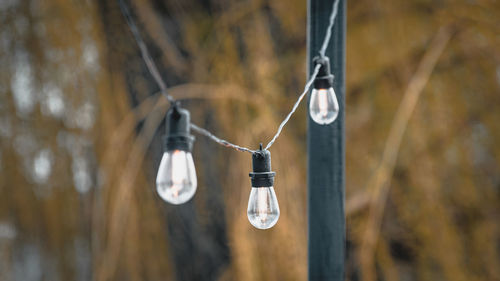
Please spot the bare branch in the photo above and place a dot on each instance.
(379, 184)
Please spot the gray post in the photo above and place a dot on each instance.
(326, 154)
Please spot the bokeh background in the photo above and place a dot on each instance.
(81, 123)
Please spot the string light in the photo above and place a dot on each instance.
(176, 181)
(263, 209)
(323, 105)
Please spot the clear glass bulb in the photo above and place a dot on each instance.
(323, 106)
(176, 181)
(263, 210)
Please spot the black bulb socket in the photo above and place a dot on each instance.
(324, 79)
(262, 176)
(177, 135)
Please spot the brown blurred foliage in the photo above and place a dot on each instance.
(81, 124)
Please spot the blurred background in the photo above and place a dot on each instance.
(81, 123)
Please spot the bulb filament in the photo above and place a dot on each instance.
(178, 172)
(323, 102)
(262, 204)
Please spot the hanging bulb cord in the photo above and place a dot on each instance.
(144, 51)
(163, 86)
(328, 34)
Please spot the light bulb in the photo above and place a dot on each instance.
(263, 210)
(323, 106)
(176, 180)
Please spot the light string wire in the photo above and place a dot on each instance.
(328, 34)
(163, 86)
(322, 52)
(295, 106)
(144, 51)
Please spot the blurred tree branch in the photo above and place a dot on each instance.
(156, 30)
(119, 206)
(379, 183)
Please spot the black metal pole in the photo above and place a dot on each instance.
(326, 154)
